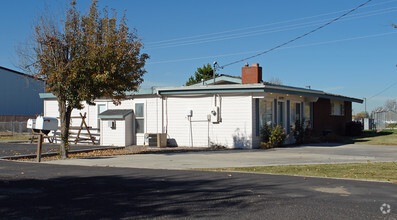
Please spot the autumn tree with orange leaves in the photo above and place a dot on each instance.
(93, 55)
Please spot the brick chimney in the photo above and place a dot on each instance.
(251, 74)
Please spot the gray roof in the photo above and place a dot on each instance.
(234, 88)
(115, 114)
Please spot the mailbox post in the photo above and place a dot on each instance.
(42, 126)
(39, 147)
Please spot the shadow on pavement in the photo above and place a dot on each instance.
(41, 191)
(116, 197)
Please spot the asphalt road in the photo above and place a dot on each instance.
(37, 191)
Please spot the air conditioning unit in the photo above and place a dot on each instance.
(157, 139)
(215, 116)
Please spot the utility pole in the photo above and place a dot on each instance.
(365, 105)
(213, 72)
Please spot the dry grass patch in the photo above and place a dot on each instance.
(95, 153)
(382, 171)
(14, 138)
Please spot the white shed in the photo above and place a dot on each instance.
(117, 127)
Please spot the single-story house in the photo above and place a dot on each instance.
(226, 111)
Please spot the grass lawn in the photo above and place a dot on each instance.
(382, 171)
(385, 137)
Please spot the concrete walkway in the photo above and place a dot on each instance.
(242, 158)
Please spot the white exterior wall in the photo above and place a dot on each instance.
(113, 137)
(234, 130)
(51, 108)
(152, 116)
(123, 135)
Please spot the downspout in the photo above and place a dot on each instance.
(162, 114)
(162, 111)
(157, 115)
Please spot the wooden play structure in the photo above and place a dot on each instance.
(83, 126)
(77, 134)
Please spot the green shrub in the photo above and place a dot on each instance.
(265, 132)
(277, 137)
(272, 137)
(354, 128)
(299, 132)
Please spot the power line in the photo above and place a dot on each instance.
(259, 32)
(297, 38)
(266, 31)
(257, 26)
(290, 47)
(384, 90)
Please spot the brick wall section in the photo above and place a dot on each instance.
(323, 121)
(251, 74)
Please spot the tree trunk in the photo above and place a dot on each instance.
(65, 112)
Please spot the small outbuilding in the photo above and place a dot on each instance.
(117, 127)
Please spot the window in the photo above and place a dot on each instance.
(265, 112)
(337, 108)
(308, 115)
(101, 108)
(139, 118)
(112, 124)
(280, 114)
(295, 113)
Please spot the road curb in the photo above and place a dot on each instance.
(56, 153)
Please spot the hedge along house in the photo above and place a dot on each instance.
(228, 112)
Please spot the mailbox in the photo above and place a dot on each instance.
(31, 123)
(44, 124)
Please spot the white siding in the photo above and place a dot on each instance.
(234, 130)
(51, 108)
(113, 137)
(152, 116)
(185, 133)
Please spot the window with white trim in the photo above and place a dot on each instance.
(100, 108)
(295, 113)
(265, 112)
(139, 118)
(337, 108)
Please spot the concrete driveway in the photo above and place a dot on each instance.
(312, 154)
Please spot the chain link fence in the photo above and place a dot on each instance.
(14, 129)
(385, 119)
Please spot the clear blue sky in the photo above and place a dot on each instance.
(354, 57)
